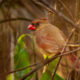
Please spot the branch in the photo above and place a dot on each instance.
(47, 61)
(32, 65)
(66, 8)
(74, 65)
(69, 52)
(2, 2)
(15, 19)
(51, 9)
(62, 52)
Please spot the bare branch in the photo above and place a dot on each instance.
(69, 52)
(15, 19)
(51, 9)
(62, 52)
(47, 61)
(2, 2)
(32, 65)
(66, 8)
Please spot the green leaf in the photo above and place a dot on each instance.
(21, 58)
(45, 76)
(48, 74)
(21, 37)
(52, 65)
(9, 77)
(57, 77)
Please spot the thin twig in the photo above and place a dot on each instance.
(2, 2)
(34, 55)
(38, 67)
(73, 45)
(74, 65)
(69, 52)
(76, 10)
(32, 65)
(47, 61)
(65, 45)
(51, 9)
(15, 19)
(66, 8)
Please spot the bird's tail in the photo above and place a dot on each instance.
(75, 61)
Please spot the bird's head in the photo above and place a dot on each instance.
(35, 24)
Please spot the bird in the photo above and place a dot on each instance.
(50, 40)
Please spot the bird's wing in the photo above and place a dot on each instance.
(46, 42)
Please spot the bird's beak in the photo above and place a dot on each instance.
(31, 27)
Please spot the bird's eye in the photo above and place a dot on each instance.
(33, 25)
(37, 24)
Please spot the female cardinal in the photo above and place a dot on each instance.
(49, 39)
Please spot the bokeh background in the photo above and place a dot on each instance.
(15, 16)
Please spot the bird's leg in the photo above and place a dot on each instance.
(45, 67)
(46, 57)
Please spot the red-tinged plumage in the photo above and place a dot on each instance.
(74, 61)
(50, 41)
(34, 22)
